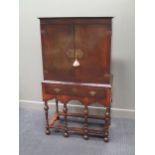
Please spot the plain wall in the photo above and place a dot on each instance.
(31, 73)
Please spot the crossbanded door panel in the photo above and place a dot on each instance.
(56, 41)
(94, 41)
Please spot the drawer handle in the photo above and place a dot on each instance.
(74, 90)
(92, 93)
(75, 54)
(57, 90)
(78, 55)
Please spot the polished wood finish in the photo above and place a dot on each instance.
(46, 116)
(88, 41)
(92, 38)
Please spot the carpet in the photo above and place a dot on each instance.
(33, 141)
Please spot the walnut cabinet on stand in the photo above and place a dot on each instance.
(76, 65)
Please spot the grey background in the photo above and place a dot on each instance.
(31, 73)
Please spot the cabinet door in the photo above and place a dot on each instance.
(94, 42)
(57, 40)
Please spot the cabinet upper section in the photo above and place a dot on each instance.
(76, 49)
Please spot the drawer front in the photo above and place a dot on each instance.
(72, 90)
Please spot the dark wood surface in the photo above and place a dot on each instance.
(92, 39)
(87, 40)
(77, 20)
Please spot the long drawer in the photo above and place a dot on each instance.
(75, 89)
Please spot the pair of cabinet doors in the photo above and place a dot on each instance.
(87, 40)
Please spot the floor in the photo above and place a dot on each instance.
(33, 141)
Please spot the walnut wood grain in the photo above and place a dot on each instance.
(91, 38)
(87, 40)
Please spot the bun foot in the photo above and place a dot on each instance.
(86, 137)
(48, 132)
(66, 134)
(106, 139)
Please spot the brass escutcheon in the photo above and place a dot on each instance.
(92, 93)
(78, 53)
(70, 53)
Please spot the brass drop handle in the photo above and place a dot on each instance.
(75, 54)
(76, 63)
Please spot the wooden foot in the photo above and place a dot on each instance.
(106, 139)
(86, 137)
(66, 134)
(48, 132)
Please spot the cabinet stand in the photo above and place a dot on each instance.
(85, 131)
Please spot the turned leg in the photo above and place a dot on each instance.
(57, 107)
(46, 117)
(86, 136)
(107, 120)
(65, 121)
(109, 116)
